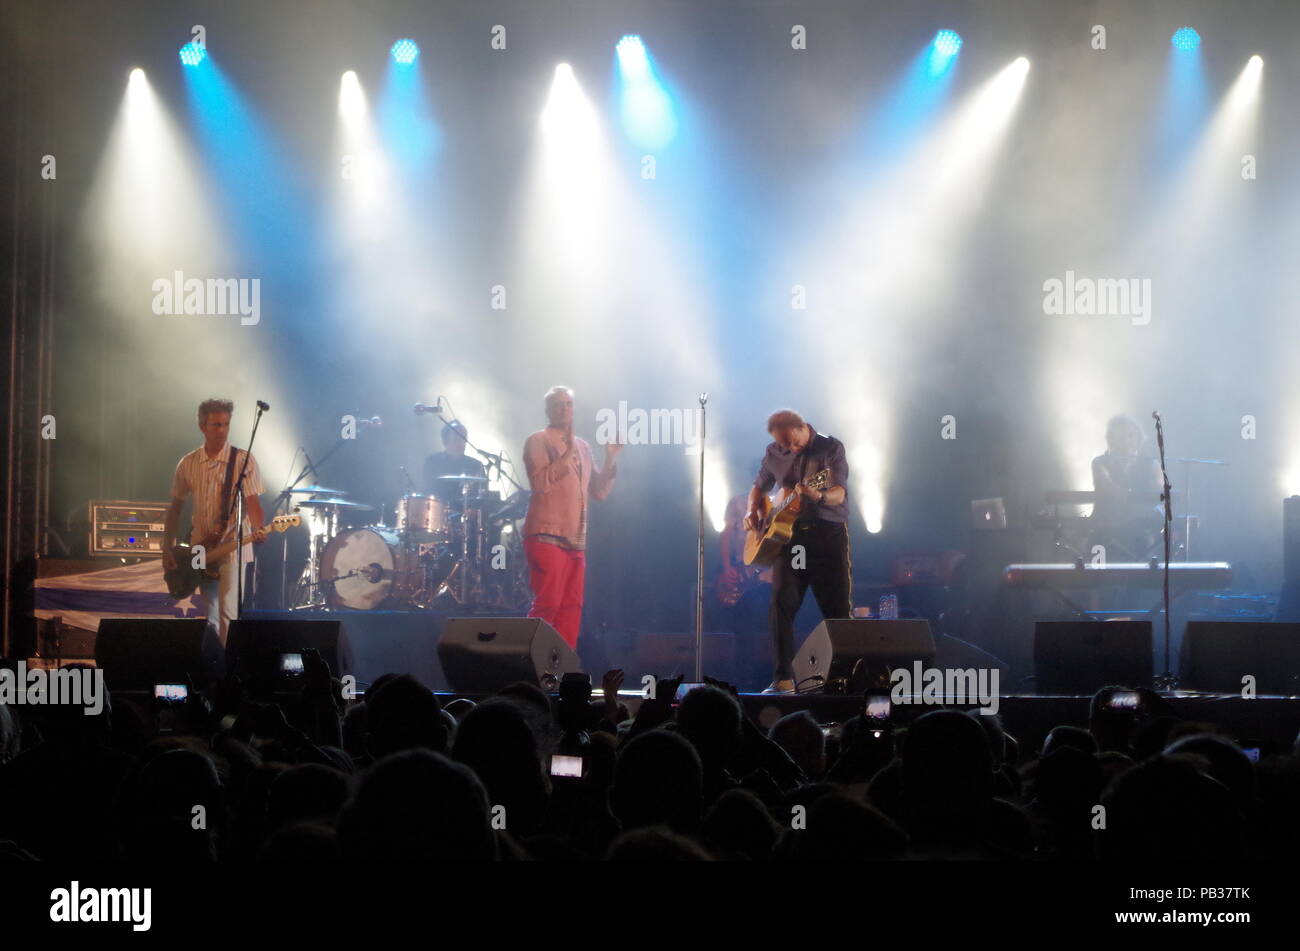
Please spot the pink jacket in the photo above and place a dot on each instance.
(555, 507)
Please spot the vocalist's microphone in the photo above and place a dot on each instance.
(264, 406)
(421, 408)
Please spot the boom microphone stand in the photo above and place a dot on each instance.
(285, 499)
(237, 506)
(493, 459)
(1166, 680)
(312, 468)
(699, 558)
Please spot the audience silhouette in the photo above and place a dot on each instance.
(392, 774)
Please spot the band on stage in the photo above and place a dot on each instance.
(457, 544)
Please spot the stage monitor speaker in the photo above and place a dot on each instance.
(849, 655)
(484, 654)
(1080, 657)
(136, 653)
(1216, 656)
(255, 649)
(1288, 606)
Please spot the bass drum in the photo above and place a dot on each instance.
(364, 568)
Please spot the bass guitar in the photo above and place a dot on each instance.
(184, 579)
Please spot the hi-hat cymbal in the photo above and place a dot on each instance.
(341, 503)
(460, 478)
(317, 490)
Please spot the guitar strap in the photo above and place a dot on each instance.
(225, 493)
(806, 467)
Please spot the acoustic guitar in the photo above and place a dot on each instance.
(763, 544)
(184, 579)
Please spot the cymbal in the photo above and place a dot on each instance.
(341, 503)
(460, 478)
(317, 490)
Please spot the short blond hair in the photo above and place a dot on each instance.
(214, 405)
(784, 419)
(556, 391)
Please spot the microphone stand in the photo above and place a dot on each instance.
(699, 556)
(237, 505)
(310, 467)
(284, 499)
(492, 458)
(1166, 680)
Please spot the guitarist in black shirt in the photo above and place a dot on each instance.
(797, 453)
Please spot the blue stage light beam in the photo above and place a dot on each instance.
(404, 52)
(1185, 107)
(632, 58)
(1186, 39)
(943, 52)
(192, 54)
(263, 205)
(406, 125)
(914, 101)
(648, 116)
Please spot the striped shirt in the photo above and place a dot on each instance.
(205, 478)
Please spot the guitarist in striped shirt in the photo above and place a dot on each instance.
(209, 474)
(796, 452)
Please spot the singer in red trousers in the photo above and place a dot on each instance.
(562, 475)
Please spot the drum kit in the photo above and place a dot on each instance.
(460, 551)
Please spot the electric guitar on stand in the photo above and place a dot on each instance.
(185, 578)
(763, 544)
(731, 586)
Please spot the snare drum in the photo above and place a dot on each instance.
(363, 568)
(422, 517)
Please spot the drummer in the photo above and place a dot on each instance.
(452, 461)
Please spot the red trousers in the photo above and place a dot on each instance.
(556, 576)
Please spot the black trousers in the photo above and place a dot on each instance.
(825, 567)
